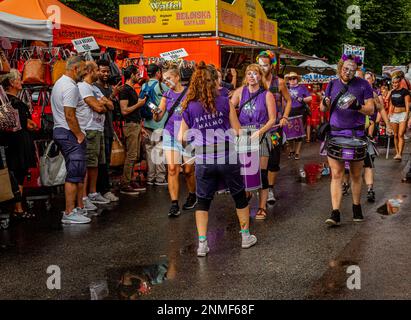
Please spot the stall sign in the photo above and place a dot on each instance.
(174, 55)
(159, 19)
(355, 51)
(85, 44)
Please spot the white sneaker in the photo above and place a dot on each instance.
(271, 198)
(74, 218)
(97, 198)
(110, 196)
(88, 206)
(203, 249)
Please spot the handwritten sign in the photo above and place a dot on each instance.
(174, 55)
(355, 51)
(85, 44)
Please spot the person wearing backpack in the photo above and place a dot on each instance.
(154, 89)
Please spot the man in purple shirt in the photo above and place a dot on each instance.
(347, 123)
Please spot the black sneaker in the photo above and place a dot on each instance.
(371, 195)
(345, 189)
(191, 202)
(357, 213)
(334, 219)
(174, 211)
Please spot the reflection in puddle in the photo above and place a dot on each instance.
(391, 206)
(131, 283)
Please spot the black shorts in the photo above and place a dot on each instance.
(210, 177)
(274, 159)
(369, 161)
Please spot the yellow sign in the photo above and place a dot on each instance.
(246, 21)
(156, 19)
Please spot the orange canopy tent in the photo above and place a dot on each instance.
(72, 24)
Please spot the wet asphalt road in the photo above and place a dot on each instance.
(297, 256)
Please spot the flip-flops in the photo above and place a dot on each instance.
(261, 214)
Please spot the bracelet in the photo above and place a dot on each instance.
(286, 118)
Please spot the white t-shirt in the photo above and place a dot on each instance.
(65, 94)
(90, 119)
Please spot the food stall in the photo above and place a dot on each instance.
(213, 31)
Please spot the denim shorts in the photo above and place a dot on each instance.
(74, 154)
(398, 117)
(171, 144)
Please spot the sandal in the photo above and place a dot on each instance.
(22, 215)
(261, 214)
(291, 155)
(297, 156)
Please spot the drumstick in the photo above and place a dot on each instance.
(188, 161)
(388, 147)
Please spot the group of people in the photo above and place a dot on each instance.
(176, 133)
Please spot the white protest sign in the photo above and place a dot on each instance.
(355, 51)
(174, 55)
(85, 44)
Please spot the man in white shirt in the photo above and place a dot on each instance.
(70, 137)
(93, 105)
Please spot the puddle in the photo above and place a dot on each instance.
(129, 283)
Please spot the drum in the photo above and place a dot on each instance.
(249, 156)
(295, 128)
(346, 149)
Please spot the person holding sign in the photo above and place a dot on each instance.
(170, 106)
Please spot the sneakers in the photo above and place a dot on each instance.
(334, 219)
(74, 218)
(371, 195)
(345, 188)
(81, 211)
(174, 211)
(137, 187)
(129, 191)
(110, 196)
(248, 241)
(357, 213)
(203, 249)
(97, 198)
(151, 183)
(88, 205)
(271, 198)
(162, 183)
(191, 202)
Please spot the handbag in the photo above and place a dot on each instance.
(4, 63)
(6, 193)
(52, 169)
(118, 153)
(42, 114)
(34, 72)
(9, 117)
(59, 68)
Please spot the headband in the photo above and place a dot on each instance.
(268, 54)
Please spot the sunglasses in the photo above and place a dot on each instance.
(293, 78)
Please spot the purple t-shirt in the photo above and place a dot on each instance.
(349, 119)
(254, 113)
(224, 92)
(207, 128)
(174, 123)
(299, 91)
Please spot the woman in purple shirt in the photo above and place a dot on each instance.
(170, 107)
(346, 123)
(209, 118)
(300, 97)
(257, 113)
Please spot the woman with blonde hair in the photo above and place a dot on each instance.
(171, 107)
(257, 114)
(20, 151)
(213, 123)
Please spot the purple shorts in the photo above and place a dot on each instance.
(74, 154)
